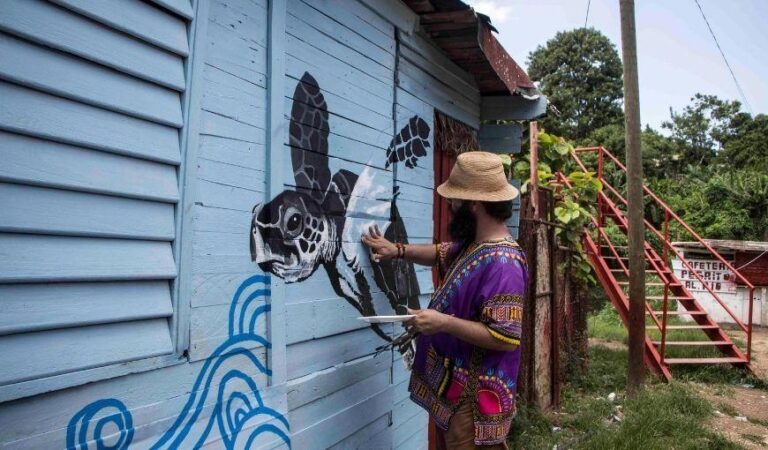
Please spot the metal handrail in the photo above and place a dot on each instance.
(672, 214)
(602, 233)
(667, 245)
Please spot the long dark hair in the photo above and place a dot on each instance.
(463, 225)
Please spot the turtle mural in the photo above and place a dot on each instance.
(319, 223)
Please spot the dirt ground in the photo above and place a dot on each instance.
(760, 351)
(742, 411)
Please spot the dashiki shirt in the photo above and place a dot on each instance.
(485, 283)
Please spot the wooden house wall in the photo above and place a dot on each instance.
(134, 139)
(165, 148)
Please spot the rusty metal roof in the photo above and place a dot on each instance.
(723, 244)
(467, 38)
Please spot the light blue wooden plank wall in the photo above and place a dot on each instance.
(230, 164)
(118, 115)
(90, 142)
(338, 389)
(91, 201)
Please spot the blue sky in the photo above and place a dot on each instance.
(676, 54)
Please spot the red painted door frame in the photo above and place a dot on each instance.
(443, 162)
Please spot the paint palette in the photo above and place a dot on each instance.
(386, 319)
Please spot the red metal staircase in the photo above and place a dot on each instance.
(679, 330)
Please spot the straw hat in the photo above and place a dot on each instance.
(478, 176)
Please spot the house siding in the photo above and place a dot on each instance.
(132, 170)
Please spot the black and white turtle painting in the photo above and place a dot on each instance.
(319, 223)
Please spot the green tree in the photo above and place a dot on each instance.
(660, 153)
(581, 74)
(701, 129)
(749, 189)
(746, 146)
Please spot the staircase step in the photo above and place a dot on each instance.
(647, 271)
(685, 327)
(691, 343)
(704, 360)
(681, 313)
(626, 283)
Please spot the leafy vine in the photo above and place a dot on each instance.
(575, 205)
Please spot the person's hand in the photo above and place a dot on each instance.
(381, 247)
(427, 321)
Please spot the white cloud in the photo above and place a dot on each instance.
(493, 8)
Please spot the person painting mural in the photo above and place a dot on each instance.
(468, 345)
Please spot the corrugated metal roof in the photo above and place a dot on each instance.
(467, 38)
(723, 244)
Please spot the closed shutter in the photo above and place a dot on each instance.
(90, 119)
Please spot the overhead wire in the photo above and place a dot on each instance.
(586, 17)
(722, 53)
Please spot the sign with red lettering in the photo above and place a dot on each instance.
(712, 272)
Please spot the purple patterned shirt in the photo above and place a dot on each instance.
(485, 283)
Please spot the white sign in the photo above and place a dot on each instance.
(714, 273)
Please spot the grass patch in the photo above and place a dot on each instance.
(725, 408)
(659, 416)
(607, 325)
(753, 438)
(718, 374)
(663, 414)
(532, 430)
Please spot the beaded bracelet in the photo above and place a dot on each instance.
(400, 250)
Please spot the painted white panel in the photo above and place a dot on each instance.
(32, 355)
(30, 258)
(79, 79)
(136, 18)
(45, 163)
(34, 113)
(28, 209)
(35, 307)
(59, 28)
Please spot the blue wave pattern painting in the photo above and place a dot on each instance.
(239, 414)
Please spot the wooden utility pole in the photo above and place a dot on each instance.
(534, 161)
(636, 232)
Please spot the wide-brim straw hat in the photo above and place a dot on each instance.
(478, 176)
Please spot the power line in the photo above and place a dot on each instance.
(586, 18)
(736, 81)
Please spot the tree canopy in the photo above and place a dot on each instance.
(709, 161)
(581, 74)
